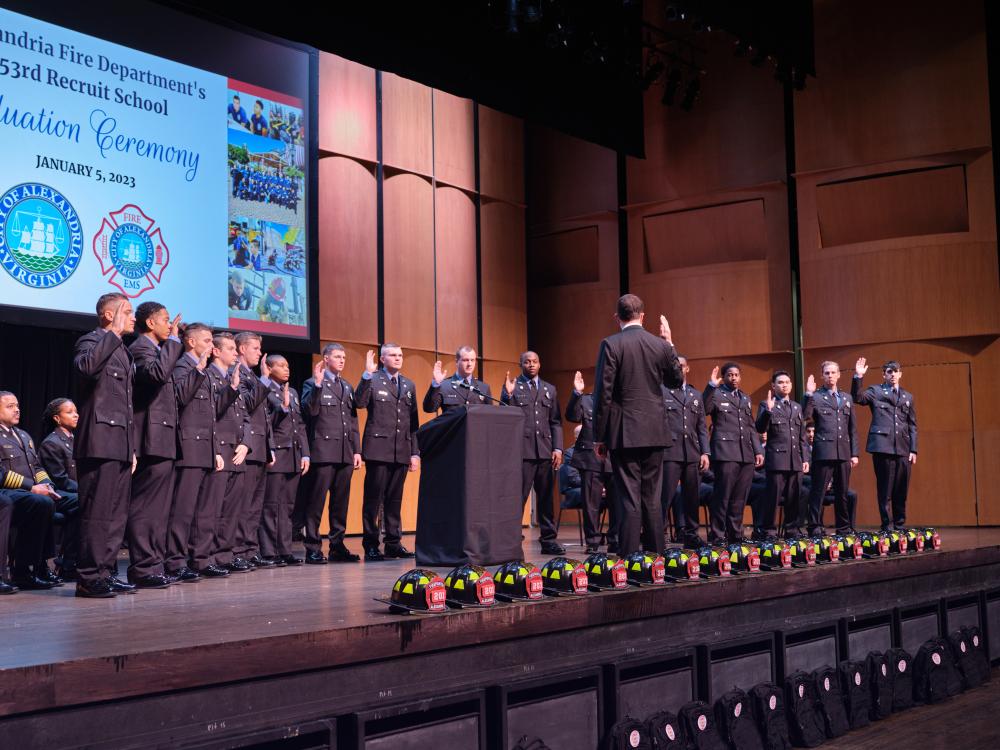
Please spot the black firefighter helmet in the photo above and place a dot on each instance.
(873, 545)
(518, 580)
(714, 561)
(915, 540)
(562, 576)
(803, 551)
(606, 572)
(417, 591)
(849, 546)
(775, 555)
(898, 543)
(744, 557)
(645, 569)
(682, 564)
(470, 586)
(827, 549)
(932, 540)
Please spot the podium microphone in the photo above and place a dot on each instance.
(468, 387)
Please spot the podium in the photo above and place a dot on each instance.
(469, 507)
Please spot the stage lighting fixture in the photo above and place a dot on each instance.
(513, 12)
(670, 87)
(691, 94)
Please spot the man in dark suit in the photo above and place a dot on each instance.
(630, 421)
(330, 406)
(686, 457)
(596, 481)
(105, 446)
(258, 437)
(291, 461)
(736, 450)
(786, 457)
(197, 404)
(216, 519)
(155, 352)
(541, 449)
(892, 438)
(461, 389)
(835, 449)
(389, 448)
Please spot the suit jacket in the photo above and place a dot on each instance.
(787, 443)
(734, 434)
(542, 422)
(632, 365)
(449, 395)
(331, 414)
(580, 409)
(288, 431)
(56, 454)
(894, 418)
(105, 373)
(685, 413)
(231, 419)
(392, 424)
(569, 473)
(197, 406)
(17, 455)
(155, 399)
(258, 433)
(836, 436)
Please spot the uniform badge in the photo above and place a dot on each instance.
(383, 393)
(131, 250)
(41, 240)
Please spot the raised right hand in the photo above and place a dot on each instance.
(861, 367)
(370, 364)
(578, 383)
(318, 369)
(714, 378)
(438, 374)
(811, 384)
(770, 400)
(234, 379)
(509, 384)
(120, 319)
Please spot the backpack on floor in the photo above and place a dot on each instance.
(856, 687)
(805, 725)
(880, 705)
(900, 665)
(665, 732)
(699, 727)
(935, 673)
(973, 660)
(734, 718)
(768, 703)
(831, 702)
(627, 734)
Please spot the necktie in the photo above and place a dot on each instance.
(532, 384)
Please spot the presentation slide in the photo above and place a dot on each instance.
(122, 171)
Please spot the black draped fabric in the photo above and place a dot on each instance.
(470, 487)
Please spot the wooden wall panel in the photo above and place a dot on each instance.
(454, 141)
(569, 178)
(570, 256)
(407, 141)
(985, 355)
(409, 261)
(501, 156)
(347, 251)
(505, 313)
(894, 79)
(455, 264)
(346, 108)
(720, 233)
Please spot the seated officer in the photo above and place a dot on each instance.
(55, 453)
(31, 495)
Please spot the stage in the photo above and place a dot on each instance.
(299, 653)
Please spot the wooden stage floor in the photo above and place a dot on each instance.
(57, 650)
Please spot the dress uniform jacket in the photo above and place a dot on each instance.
(104, 368)
(836, 437)
(787, 443)
(288, 431)
(449, 395)
(155, 399)
(580, 409)
(198, 400)
(734, 434)
(18, 457)
(258, 433)
(894, 418)
(542, 420)
(56, 454)
(391, 428)
(231, 421)
(332, 416)
(685, 411)
(11, 480)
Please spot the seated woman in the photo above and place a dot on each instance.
(56, 455)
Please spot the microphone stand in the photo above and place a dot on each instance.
(466, 386)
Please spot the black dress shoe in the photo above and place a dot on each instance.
(262, 562)
(553, 548)
(276, 561)
(97, 590)
(31, 582)
(47, 575)
(315, 558)
(6, 588)
(68, 574)
(119, 586)
(373, 555)
(342, 554)
(238, 565)
(397, 551)
(185, 575)
(150, 582)
(290, 559)
(213, 571)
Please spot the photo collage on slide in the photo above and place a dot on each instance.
(267, 210)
